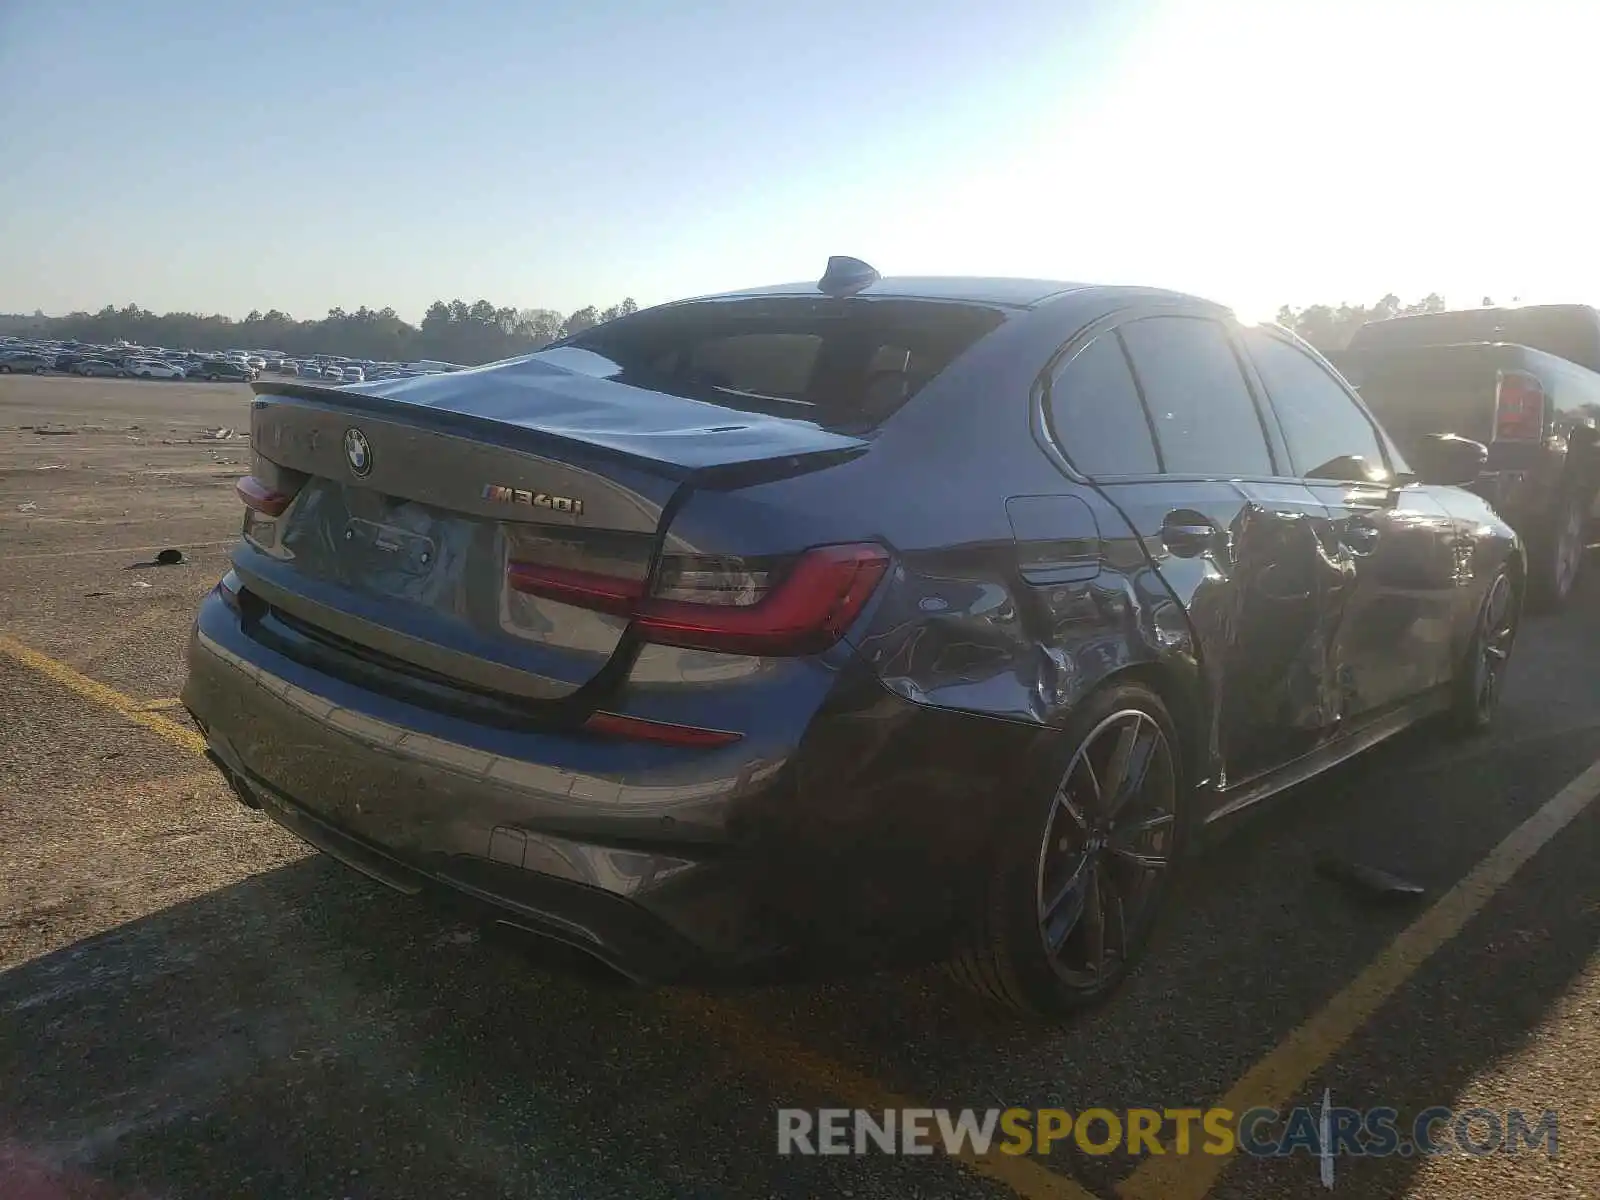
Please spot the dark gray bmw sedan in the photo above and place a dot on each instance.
(849, 620)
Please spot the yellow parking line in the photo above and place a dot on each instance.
(163, 705)
(1026, 1177)
(93, 689)
(1276, 1079)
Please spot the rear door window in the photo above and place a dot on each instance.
(1320, 422)
(1205, 419)
(1096, 415)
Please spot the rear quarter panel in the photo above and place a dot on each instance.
(957, 626)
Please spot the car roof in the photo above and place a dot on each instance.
(974, 289)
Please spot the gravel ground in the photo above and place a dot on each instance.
(193, 1005)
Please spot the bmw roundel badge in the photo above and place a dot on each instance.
(356, 451)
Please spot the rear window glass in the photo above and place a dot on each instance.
(846, 363)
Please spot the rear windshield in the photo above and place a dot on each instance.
(841, 363)
(1569, 331)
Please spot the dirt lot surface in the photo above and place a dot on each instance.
(194, 1005)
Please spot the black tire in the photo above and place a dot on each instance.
(38, 370)
(1480, 677)
(1062, 872)
(1555, 555)
(212, 378)
(4, 370)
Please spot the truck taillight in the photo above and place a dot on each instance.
(797, 605)
(1518, 408)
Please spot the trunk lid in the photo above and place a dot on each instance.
(410, 498)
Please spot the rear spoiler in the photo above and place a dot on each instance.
(672, 437)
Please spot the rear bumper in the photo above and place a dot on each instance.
(852, 834)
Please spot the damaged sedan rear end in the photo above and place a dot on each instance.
(781, 624)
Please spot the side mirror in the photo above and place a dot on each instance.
(1349, 468)
(1447, 458)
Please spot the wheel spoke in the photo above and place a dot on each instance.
(1094, 923)
(1087, 767)
(1499, 601)
(1116, 906)
(1062, 912)
(1145, 862)
(1066, 804)
(1127, 833)
(1130, 765)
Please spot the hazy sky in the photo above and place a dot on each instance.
(222, 156)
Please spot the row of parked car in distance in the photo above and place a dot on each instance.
(142, 362)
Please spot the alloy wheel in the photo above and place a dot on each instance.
(1495, 635)
(1107, 849)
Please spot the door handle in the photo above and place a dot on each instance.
(1360, 537)
(1187, 534)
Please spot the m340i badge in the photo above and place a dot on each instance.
(508, 495)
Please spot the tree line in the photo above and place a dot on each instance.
(1329, 327)
(455, 332)
(483, 332)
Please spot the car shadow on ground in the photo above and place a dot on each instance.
(303, 1033)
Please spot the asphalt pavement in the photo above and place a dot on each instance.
(194, 1005)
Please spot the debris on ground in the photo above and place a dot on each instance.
(221, 435)
(52, 467)
(141, 583)
(1369, 882)
(30, 506)
(170, 557)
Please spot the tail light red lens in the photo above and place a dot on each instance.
(734, 605)
(719, 604)
(1518, 408)
(258, 497)
(586, 589)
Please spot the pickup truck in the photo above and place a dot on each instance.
(1523, 381)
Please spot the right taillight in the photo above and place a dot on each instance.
(796, 605)
(1518, 408)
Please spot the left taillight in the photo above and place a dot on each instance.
(800, 604)
(258, 497)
